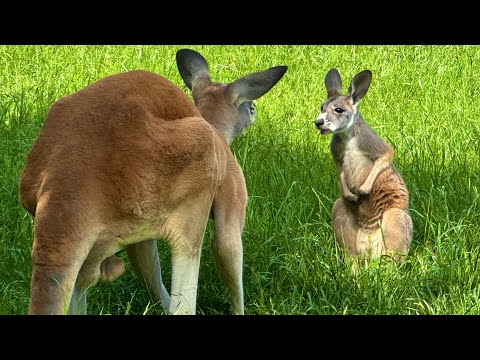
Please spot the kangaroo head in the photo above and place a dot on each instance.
(337, 114)
(228, 107)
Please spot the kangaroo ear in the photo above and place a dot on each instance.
(251, 87)
(359, 85)
(193, 69)
(333, 83)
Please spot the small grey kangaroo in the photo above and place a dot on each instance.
(371, 217)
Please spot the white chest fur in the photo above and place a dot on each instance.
(356, 164)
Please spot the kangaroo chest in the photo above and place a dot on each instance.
(355, 163)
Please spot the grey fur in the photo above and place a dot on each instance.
(371, 217)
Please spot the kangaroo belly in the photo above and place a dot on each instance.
(388, 191)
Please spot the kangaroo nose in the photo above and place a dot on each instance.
(319, 122)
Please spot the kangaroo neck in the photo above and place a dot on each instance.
(219, 122)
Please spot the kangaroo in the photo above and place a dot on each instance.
(371, 217)
(131, 159)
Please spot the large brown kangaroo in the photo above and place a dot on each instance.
(131, 159)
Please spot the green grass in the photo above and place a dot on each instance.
(423, 100)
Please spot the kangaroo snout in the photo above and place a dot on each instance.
(320, 125)
(319, 122)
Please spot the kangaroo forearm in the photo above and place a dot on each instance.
(379, 165)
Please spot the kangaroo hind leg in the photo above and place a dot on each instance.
(146, 264)
(397, 232)
(229, 207)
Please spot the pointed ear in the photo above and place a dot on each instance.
(251, 87)
(333, 83)
(193, 69)
(359, 85)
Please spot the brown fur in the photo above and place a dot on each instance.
(371, 218)
(125, 161)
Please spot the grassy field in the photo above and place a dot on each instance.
(423, 100)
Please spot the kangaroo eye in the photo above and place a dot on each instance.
(321, 108)
(338, 110)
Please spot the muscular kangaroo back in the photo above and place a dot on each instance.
(93, 125)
